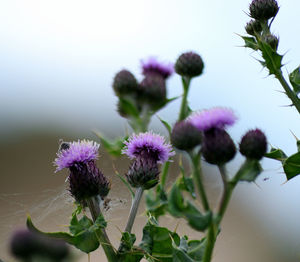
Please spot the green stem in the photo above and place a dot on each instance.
(211, 240)
(184, 104)
(134, 208)
(109, 251)
(164, 174)
(291, 95)
(197, 175)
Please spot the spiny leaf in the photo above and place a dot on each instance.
(291, 166)
(295, 80)
(250, 42)
(249, 170)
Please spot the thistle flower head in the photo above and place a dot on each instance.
(143, 172)
(152, 90)
(185, 136)
(78, 152)
(148, 145)
(253, 144)
(217, 147)
(124, 83)
(253, 27)
(189, 64)
(86, 181)
(152, 66)
(263, 9)
(217, 117)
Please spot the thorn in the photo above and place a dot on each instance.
(256, 184)
(287, 105)
(294, 135)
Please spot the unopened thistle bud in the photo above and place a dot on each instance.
(143, 172)
(153, 91)
(85, 179)
(253, 144)
(263, 9)
(189, 65)
(185, 136)
(272, 40)
(27, 245)
(217, 146)
(124, 83)
(253, 27)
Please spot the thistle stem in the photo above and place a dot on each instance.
(134, 209)
(109, 250)
(164, 174)
(197, 175)
(184, 103)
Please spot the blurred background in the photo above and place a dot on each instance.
(58, 59)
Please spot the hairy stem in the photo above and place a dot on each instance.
(134, 209)
(109, 250)
(184, 103)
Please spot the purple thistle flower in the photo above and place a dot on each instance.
(78, 152)
(217, 117)
(152, 66)
(148, 145)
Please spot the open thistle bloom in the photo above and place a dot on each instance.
(85, 179)
(217, 117)
(148, 145)
(147, 150)
(152, 66)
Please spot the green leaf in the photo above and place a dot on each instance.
(167, 125)
(295, 80)
(272, 58)
(291, 166)
(114, 148)
(128, 107)
(189, 251)
(178, 207)
(126, 184)
(156, 201)
(277, 154)
(83, 232)
(249, 170)
(157, 241)
(250, 42)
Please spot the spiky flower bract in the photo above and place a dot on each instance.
(153, 66)
(149, 145)
(217, 117)
(78, 152)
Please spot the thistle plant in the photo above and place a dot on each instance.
(200, 135)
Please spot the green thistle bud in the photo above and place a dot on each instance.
(263, 9)
(253, 27)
